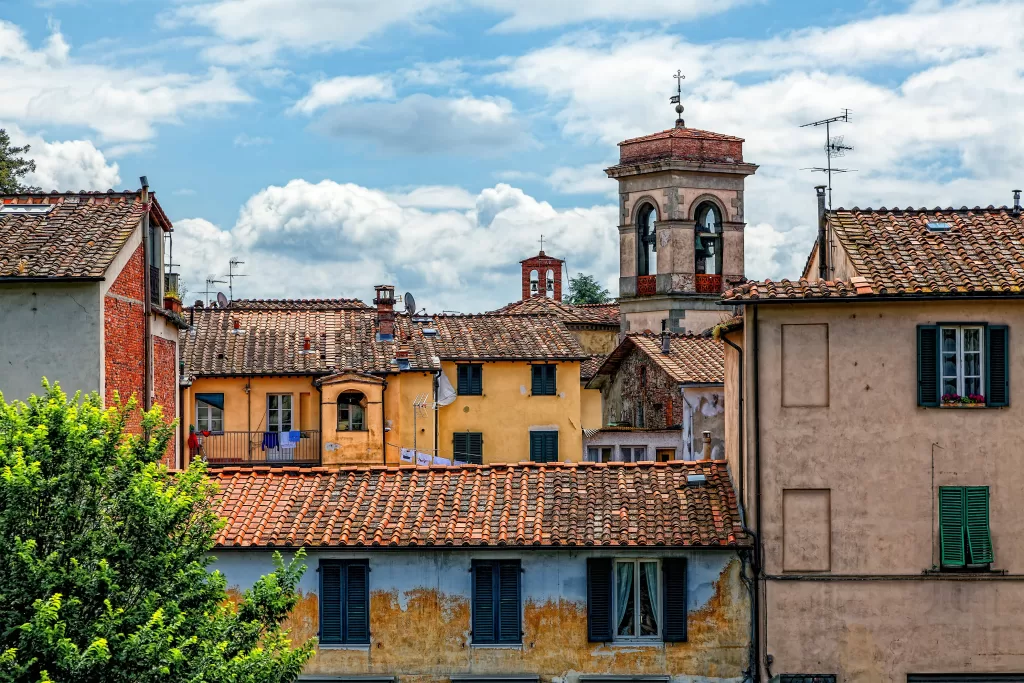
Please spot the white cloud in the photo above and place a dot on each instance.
(940, 134)
(333, 239)
(246, 140)
(527, 15)
(47, 86)
(589, 179)
(65, 165)
(342, 89)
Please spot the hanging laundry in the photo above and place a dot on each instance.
(290, 439)
(271, 440)
(407, 455)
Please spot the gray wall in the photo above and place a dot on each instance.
(52, 330)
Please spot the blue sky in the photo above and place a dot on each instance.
(334, 144)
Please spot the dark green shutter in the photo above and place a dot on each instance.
(544, 446)
(476, 379)
(475, 447)
(551, 447)
(674, 570)
(483, 602)
(599, 599)
(357, 603)
(460, 446)
(330, 602)
(509, 629)
(928, 385)
(951, 526)
(979, 539)
(463, 387)
(536, 446)
(549, 380)
(537, 387)
(997, 382)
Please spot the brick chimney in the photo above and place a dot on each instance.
(542, 276)
(385, 302)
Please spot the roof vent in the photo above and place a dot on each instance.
(938, 226)
(26, 209)
(422, 319)
(696, 480)
(429, 332)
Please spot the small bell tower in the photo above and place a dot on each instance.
(542, 275)
(680, 225)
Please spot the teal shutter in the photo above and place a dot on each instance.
(928, 366)
(475, 447)
(330, 602)
(543, 380)
(599, 599)
(550, 386)
(476, 380)
(508, 624)
(537, 387)
(483, 602)
(357, 603)
(979, 538)
(551, 447)
(951, 526)
(460, 446)
(544, 446)
(674, 578)
(997, 366)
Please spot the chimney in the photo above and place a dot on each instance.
(236, 323)
(385, 302)
(822, 243)
(144, 181)
(666, 342)
(305, 343)
(706, 436)
(1016, 202)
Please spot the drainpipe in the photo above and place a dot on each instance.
(320, 424)
(437, 380)
(147, 398)
(759, 549)
(822, 243)
(383, 425)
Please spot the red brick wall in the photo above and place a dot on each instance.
(165, 386)
(542, 264)
(131, 281)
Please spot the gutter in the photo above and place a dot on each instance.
(437, 379)
(63, 279)
(869, 298)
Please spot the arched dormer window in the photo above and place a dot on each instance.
(351, 412)
(534, 278)
(646, 244)
(549, 284)
(708, 240)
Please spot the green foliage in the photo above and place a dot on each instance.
(585, 289)
(12, 166)
(103, 567)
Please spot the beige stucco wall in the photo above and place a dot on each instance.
(694, 322)
(875, 460)
(597, 341)
(590, 408)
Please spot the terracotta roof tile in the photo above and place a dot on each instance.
(978, 252)
(525, 504)
(296, 304)
(692, 359)
(78, 237)
(589, 367)
(586, 314)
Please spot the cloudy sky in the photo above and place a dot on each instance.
(335, 144)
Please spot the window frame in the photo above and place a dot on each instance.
(646, 236)
(208, 408)
(280, 410)
(343, 607)
(959, 353)
(659, 597)
(714, 236)
(602, 449)
(496, 613)
(349, 405)
(467, 381)
(538, 379)
(632, 450)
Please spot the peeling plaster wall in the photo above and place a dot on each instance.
(420, 618)
(703, 411)
(658, 394)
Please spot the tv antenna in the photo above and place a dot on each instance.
(678, 97)
(232, 264)
(211, 281)
(835, 147)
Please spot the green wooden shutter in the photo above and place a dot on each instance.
(357, 603)
(599, 599)
(330, 602)
(483, 602)
(536, 446)
(997, 366)
(544, 446)
(928, 366)
(476, 379)
(550, 386)
(951, 526)
(508, 624)
(551, 447)
(674, 580)
(475, 448)
(979, 539)
(537, 383)
(460, 446)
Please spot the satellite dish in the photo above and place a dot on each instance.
(222, 300)
(410, 303)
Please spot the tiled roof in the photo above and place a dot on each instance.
(77, 238)
(525, 504)
(589, 367)
(684, 144)
(587, 314)
(895, 254)
(296, 304)
(271, 340)
(692, 359)
(682, 132)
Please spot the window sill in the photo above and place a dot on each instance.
(636, 643)
(965, 571)
(496, 646)
(961, 406)
(343, 646)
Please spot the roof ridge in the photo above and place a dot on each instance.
(494, 466)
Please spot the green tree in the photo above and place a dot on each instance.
(585, 289)
(12, 166)
(104, 559)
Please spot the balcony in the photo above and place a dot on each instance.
(707, 284)
(257, 448)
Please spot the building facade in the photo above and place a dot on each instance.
(82, 299)
(878, 420)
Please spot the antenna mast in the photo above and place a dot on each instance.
(834, 148)
(232, 264)
(211, 281)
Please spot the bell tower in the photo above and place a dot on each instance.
(680, 226)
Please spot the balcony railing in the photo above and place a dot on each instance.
(707, 284)
(155, 296)
(257, 448)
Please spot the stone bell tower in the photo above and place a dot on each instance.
(680, 226)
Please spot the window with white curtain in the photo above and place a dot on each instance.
(637, 599)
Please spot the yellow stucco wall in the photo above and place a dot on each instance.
(249, 412)
(353, 447)
(402, 391)
(590, 400)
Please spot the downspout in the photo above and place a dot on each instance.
(147, 398)
(383, 425)
(320, 423)
(437, 379)
(758, 545)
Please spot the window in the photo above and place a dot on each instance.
(279, 412)
(544, 446)
(471, 381)
(497, 605)
(468, 447)
(708, 240)
(210, 412)
(633, 453)
(665, 454)
(534, 276)
(646, 242)
(351, 413)
(599, 453)
(344, 602)
(964, 536)
(543, 380)
(636, 599)
(963, 364)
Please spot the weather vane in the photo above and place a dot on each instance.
(677, 98)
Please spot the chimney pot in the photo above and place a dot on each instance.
(305, 343)
(706, 436)
(1016, 202)
(822, 241)
(385, 302)
(236, 323)
(666, 342)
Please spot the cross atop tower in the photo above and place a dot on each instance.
(677, 98)
(542, 244)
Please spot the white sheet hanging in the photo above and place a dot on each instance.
(445, 391)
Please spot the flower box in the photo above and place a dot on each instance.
(172, 304)
(963, 405)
